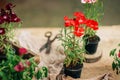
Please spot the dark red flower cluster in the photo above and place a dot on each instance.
(2, 31)
(78, 21)
(21, 66)
(22, 51)
(7, 15)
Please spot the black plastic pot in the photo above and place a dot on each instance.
(74, 72)
(92, 44)
(2, 57)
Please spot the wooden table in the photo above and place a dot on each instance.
(110, 37)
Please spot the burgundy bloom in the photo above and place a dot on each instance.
(22, 51)
(2, 31)
(19, 67)
(1, 20)
(78, 31)
(6, 17)
(14, 18)
(9, 6)
(119, 54)
(28, 63)
(92, 24)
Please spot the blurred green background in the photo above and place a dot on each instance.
(50, 13)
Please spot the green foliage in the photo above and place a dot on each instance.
(72, 49)
(93, 11)
(112, 52)
(14, 67)
(116, 60)
(40, 75)
(7, 67)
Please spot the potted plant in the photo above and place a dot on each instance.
(115, 53)
(13, 60)
(93, 9)
(71, 37)
(8, 22)
(72, 40)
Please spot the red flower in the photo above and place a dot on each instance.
(80, 18)
(2, 31)
(9, 6)
(22, 51)
(6, 17)
(79, 14)
(119, 54)
(28, 63)
(14, 18)
(92, 24)
(78, 31)
(1, 20)
(19, 67)
(68, 22)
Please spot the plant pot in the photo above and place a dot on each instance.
(2, 54)
(91, 44)
(2, 57)
(74, 72)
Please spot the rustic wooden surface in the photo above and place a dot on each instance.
(110, 37)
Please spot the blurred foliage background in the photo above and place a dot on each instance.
(50, 13)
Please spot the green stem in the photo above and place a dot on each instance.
(3, 68)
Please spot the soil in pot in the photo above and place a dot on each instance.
(74, 72)
(91, 44)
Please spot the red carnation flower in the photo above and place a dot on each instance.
(6, 17)
(19, 67)
(68, 22)
(14, 18)
(92, 24)
(1, 20)
(78, 31)
(9, 6)
(2, 31)
(81, 20)
(22, 51)
(79, 14)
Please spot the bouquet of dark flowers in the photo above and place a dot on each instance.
(14, 66)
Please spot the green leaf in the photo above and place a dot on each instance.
(114, 65)
(39, 74)
(112, 52)
(45, 71)
(119, 44)
(3, 75)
